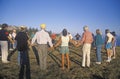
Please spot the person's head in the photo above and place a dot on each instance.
(107, 31)
(64, 32)
(4, 26)
(22, 28)
(43, 26)
(14, 31)
(113, 33)
(85, 28)
(98, 31)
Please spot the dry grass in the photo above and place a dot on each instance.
(103, 71)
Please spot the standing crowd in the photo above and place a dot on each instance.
(21, 41)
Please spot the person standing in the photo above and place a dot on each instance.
(13, 37)
(22, 47)
(114, 45)
(98, 45)
(53, 37)
(86, 40)
(64, 41)
(4, 37)
(10, 47)
(42, 38)
(77, 36)
(109, 43)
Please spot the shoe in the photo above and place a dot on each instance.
(98, 62)
(113, 57)
(88, 66)
(5, 61)
(10, 49)
(83, 66)
(108, 61)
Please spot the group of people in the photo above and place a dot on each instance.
(21, 40)
(42, 39)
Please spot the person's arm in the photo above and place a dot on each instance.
(78, 44)
(113, 41)
(10, 39)
(83, 39)
(72, 41)
(58, 43)
(34, 39)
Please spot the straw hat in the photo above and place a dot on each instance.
(43, 26)
(22, 27)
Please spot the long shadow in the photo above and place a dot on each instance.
(54, 58)
(75, 61)
(71, 59)
(97, 77)
(72, 51)
(36, 54)
(11, 53)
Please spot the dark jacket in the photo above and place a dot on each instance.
(3, 35)
(22, 41)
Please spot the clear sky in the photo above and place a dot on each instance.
(59, 14)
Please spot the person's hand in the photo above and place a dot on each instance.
(12, 41)
(31, 44)
(77, 45)
(51, 49)
(74, 43)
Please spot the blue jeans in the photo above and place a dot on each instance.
(24, 65)
(19, 58)
(98, 53)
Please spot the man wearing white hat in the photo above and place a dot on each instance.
(42, 38)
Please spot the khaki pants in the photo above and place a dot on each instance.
(4, 50)
(42, 52)
(86, 52)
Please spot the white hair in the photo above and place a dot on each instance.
(85, 28)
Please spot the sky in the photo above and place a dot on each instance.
(60, 14)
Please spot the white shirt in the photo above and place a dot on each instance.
(10, 35)
(65, 40)
(14, 35)
(71, 37)
(42, 37)
(110, 36)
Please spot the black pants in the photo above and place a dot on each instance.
(24, 65)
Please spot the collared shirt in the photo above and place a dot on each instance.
(42, 37)
(87, 37)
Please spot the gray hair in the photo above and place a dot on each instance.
(85, 28)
